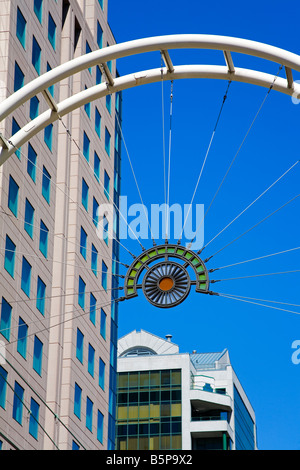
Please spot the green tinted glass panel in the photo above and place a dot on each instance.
(132, 273)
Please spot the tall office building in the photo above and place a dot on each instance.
(58, 317)
(169, 400)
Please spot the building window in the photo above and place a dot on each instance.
(48, 136)
(106, 184)
(103, 324)
(81, 292)
(19, 78)
(34, 418)
(51, 88)
(83, 242)
(85, 195)
(93, 305)
(41, 296)
(37, 355)
(22, 338)
(29, 218)
(21, 28)
(87, 51)
(36, 55)
(75, 446)
(34, 107)
(31, 162)
(95, 212)
(97, 166)
(18, 403)
(5, 320)
(14, 130)
(3, 387)
(158, 426)
(87, 107)
(108, 103)
(77, 401)
(13, 195)
(9, 257)
(26, 277)
(51, 31)
(38, 9)
(98, 75)
(94, 261)
(101, 373)
(44, 232)
(100, 421)
(105, 229)
(97, 122)
(89, 414)
(99, 35)
(244, 426)
(101, 3)
(104, 275)
(79, 345)
(107, 142)
(91, 360)
(86, 147)
(46, 184)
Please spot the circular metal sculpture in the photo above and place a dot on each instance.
(166, 282)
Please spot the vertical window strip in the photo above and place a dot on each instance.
(22, 338)
(21, 28)
(9, 256)
(5, 319)
(26, 277)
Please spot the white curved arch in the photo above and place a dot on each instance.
(287, 59)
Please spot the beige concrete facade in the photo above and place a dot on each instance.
(53, 389)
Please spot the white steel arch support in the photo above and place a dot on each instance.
(229, 71)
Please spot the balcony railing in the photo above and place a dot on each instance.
(206, 384)
(222, 417)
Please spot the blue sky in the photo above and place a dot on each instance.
(259, 339)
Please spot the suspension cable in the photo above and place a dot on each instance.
(254, 259)
(57, 235)
(260, 300)
(254, 226)
(25, 406)
(67, 195)
(35, 257)
(169, 164)
(111, 200)
(58, 296)
(257, 303)
(62, 322)
(137, 185)
(205, 158)
(253, 202)
(163, 135)
(238, 151)
(255, 275)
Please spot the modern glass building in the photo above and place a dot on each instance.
(58, 316)
(173, 401)
(149, 410)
